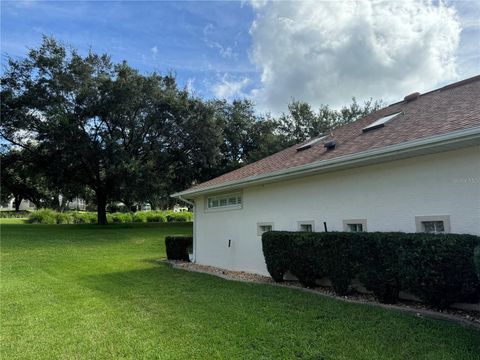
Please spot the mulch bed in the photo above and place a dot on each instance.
(464, 317)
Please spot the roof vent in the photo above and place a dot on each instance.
(330, 145)
(411, 97)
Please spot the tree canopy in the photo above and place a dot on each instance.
(302, 122)
(89, 125)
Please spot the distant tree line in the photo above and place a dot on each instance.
(83, 126)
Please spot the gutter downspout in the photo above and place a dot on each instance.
(186, 201)
(192, 204)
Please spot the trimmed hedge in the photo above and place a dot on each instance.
(439, 269)
(380, 270)
(309, 257)
(477, 260)
(177, 247)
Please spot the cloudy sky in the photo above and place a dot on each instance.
(322, 52)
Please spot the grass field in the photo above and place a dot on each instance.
(89, 292)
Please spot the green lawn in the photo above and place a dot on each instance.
(87, 292)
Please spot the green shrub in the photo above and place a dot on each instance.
(380, 266)
(307, 266)
(42, 217)
(277, 251)
(85, 217)
(6, 214)
(477, 260)
(140, 217)
(156, 216)
(120, 218)
(178, 246)
(82, 217)
(439, 269)
(182, 216)
(63, 218)
(311, 256)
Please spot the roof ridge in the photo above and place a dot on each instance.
(460, 83)
(445, 87)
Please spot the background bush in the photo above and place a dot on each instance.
(120, 218)
(156, 216)
(6, 214)
(43, 217)
(140, 217)
(83, 217)
(63, 218)
(439, 269)
(183, 216)
(178, 247)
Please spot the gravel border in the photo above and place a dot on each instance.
(462, 317)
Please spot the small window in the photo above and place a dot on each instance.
(433, 224)
(263, 228)
(355, 225)
(306, 226)
(228, 201)
(436, 227)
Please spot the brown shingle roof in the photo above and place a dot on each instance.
(450, 108)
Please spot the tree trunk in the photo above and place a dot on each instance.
(101, 208)
(16, 202)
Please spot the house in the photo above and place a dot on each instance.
(413, 166)
(75, 204)
(179, 208)
(24, 205)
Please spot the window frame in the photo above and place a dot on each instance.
(419, 220)
(348, 222)
(306, 222)
(260, 224)
(219, 198)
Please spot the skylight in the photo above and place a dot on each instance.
(310, 143)
(380, 122)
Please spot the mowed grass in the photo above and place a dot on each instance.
(89, 292)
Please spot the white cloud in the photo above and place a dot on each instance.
(25, 3)
(190, 85)
(327, 52)
(154, 51)
(228, 88)
(225, 52)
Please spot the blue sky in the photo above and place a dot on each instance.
(201, 42)
(270, 52)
